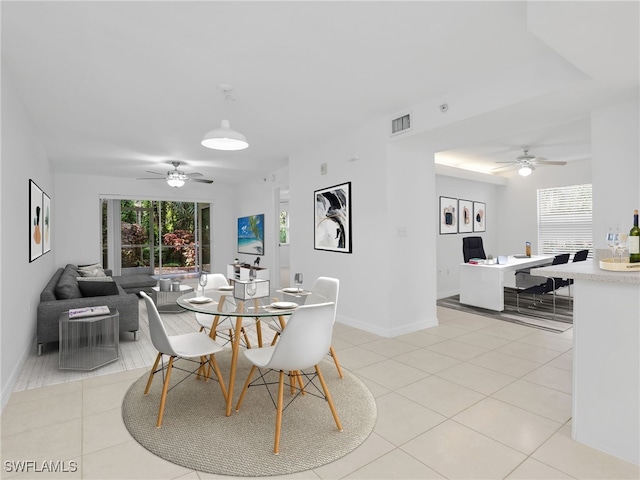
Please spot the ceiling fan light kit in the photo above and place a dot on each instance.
(527, 163)
(176, 178)
(225, 138)
(526, 170)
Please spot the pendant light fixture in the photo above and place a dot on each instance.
(225, 138)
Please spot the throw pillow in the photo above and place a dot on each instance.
(94, 270)
(67, 287)
(97, 286)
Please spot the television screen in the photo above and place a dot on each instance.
(251, 234)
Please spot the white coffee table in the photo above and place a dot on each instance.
(165, 301)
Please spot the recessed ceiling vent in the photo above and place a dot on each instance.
(401, 124)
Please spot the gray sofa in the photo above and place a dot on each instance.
(62, 293)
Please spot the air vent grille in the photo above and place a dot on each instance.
(401, 124)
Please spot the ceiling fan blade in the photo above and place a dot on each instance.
(550, 162)
(156, 173)
(507, 161)
(194, 174)
(505, 168)
(150, 178)
(201, 180)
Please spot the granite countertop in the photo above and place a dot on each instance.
(587, 270)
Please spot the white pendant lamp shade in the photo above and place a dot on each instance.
(525, 171)
(225, 138)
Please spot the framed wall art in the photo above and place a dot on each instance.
(46, 223)
(479, 217)
(332, 218)
(35, 221)
(448, 215)
(465, 216)
(251, 234)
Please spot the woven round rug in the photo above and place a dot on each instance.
(196, 434)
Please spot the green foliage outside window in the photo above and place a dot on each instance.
(284, 227)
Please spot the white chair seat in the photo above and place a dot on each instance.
(194, 344)
(260, 357)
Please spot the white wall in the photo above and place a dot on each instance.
(23, 158)
(358, 272)
(616, 167)
(518, 202)
(387, 285)
(76, 228)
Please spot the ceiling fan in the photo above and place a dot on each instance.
(176, 178)
(527, 163)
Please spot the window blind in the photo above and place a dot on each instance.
(565, 219)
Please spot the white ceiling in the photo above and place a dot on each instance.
(117, 88)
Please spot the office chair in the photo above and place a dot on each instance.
(472, 248)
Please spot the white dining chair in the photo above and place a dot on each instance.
(187, 346)
(324, 289)
(226, 325)
(302, 345)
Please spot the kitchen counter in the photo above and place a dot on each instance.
(587, 270)
(606, 356)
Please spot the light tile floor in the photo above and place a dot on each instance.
(472, 398)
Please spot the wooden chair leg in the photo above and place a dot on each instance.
(202, 370)
(216, 369)
(165, 388)
(246, 386)
(335, 360)
(329, 399)
(246, 338)
(276, 443)
(155, 365)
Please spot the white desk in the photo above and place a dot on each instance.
(483, 285)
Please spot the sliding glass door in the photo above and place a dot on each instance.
(156, 237)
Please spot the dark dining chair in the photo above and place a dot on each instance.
(579, 256)
(549, 286)
(472, 248)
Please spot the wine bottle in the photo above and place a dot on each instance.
(634, 240)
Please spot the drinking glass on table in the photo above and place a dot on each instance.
(622, 244)
(612, 242)
(297, 279)
(202, 281)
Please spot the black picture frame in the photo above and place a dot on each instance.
(35, 221)
(448, 215)
(332, 219)
(465, 216)
(479, 217)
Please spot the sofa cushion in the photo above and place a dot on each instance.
(94, 270)
(67, 286)
(97, 286)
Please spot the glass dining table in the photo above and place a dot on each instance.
(219, 309)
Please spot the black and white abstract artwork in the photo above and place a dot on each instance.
(332, 227)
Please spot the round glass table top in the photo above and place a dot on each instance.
(231, 307)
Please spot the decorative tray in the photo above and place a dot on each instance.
(614, 265)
